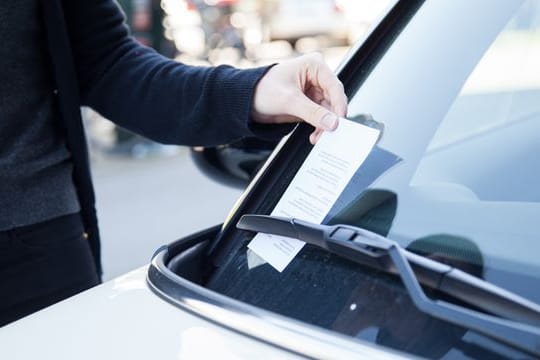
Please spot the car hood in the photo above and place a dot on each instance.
(123, 319)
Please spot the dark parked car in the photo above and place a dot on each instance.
(431, 249)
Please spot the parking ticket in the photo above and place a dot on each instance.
(316, 186)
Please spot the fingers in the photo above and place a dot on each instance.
(324, 97)
(302, 107)
(316, 94)
(301, 89)
(333, 90)
(323, 78)
(315, 135)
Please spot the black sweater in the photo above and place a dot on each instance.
(35, 165)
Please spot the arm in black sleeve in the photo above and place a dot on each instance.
(161, 99)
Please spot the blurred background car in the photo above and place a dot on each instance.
(359, 15)
(293, 20)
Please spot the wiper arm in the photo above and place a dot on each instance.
(519, 318)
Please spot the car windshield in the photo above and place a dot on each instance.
(454, 177)
(469, 175)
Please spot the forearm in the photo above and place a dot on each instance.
(176, 103)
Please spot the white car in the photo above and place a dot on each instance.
(293, 19)
(430, 250)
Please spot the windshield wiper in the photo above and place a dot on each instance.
(517, 319)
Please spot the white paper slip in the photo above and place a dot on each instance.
(315, 188)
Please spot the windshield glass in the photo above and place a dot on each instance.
(454, 177)
(470, 176)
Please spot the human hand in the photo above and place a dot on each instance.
(303, 88)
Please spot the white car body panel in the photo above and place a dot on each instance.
(299, 18)
(123, 319)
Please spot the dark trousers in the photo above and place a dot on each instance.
(42, 264)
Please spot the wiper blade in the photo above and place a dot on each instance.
(517, 321)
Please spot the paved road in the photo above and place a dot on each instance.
(145, 203)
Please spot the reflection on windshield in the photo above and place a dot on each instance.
(352, 202)
(373, 210)
(468, 132)
(393, 320)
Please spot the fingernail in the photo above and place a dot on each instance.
(329, 121)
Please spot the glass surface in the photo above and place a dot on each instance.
(455, 177)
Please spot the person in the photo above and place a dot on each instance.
(69, 53)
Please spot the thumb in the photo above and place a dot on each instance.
(313, 113)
